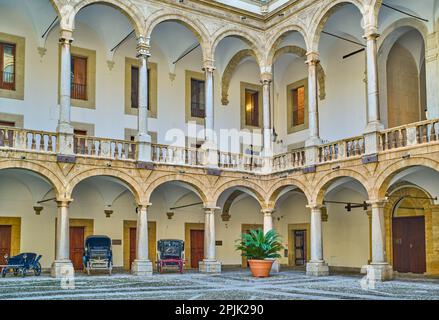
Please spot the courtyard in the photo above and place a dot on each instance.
(229, 285)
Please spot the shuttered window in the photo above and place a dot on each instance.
(7, 66)
(135, 88)
(198, 108)
(251, 108)
(79, 78)
(298, 99)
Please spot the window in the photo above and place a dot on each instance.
(298, 99)
(135, 88)
(7, 124)
(251, 108)
(297, 106)
(198, 109)
(7, 66)
(79, 78)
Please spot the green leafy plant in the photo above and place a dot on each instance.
(259, 246)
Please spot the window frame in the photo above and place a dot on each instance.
(290, 114)
(201, 92)
(3, 44)
(189, 75)
(256, 88)
(131, 63)
(16, 91)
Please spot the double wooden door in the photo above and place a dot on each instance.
(197, 247)
(5, 243)
(299, 247)
(77, 235)
(409, 244)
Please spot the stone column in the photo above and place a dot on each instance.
(210, 145)
(314, 140)
(373, 108)
(209, 263)
(379, 269)
(316, 266)
(142, 266)
(374, 124)
(65, 129)
(143, 138)
(314, 132)
(432, 74)
(268, 225)
(266, 79)
(62, 266)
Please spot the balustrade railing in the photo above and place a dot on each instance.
(340, 150)
(242, 162)
(419, 133)
(105, 148)
(290, 160)
(177, 155)
(28, 140)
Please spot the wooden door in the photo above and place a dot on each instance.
(197, 247)
(409, 244)
(152, 250)
(133, 233)
(299, 247)
(77, 246)
(246, 229)
(5, 243)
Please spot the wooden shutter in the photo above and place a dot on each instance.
(7, 66)
(79, 78)
(134, 87)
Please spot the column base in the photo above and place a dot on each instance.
(141, 268)
(379, 272)
(317, 269)
(209, 266)
(62, 269)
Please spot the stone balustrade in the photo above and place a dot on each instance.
(410, 135)
(177, 155)
(240, 162)
(105, 148)
(28, 140)
(290, 160)
(341, 150)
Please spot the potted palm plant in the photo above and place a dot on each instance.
(260, 250)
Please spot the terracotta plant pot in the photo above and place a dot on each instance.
(260, 268)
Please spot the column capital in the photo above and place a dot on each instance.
(210, 210)
(371, 33)
(315, 206)
(143, 47)
(63, 202)
(377, 203)
(268, 211)
(208, 66)
(66, 36)
(143, 205)
(266, 78)
(312, 58)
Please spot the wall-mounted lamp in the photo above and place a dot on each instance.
(226, 216)
(108, 213)
(38, 210)
(170, 214)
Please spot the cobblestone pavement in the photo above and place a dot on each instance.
(286, 285)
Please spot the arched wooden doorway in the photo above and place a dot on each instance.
(408, 230)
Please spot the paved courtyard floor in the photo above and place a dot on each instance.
(286, 285)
